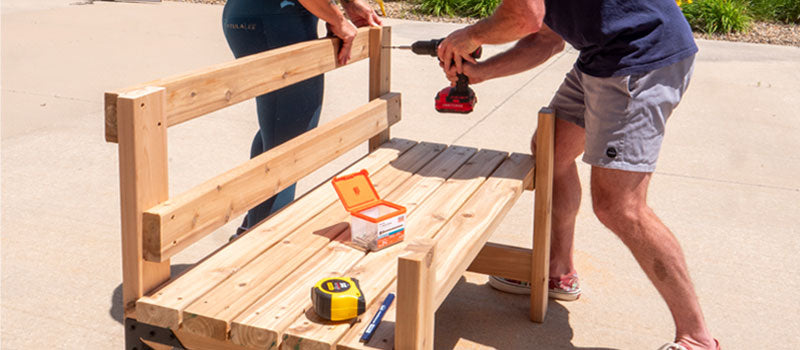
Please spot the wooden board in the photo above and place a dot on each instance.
(471, 227)
(377, 271)
(261, 325)
(143, 183)
(206, 90)
(194, 342)
(415, 289)
(211, 314)
(163, 308)
(175, 224)
(542, 214)
(380, 72)
(265, 321)
(504, 261)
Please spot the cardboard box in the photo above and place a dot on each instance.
(374, 223)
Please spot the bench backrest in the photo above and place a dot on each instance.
(155, 226)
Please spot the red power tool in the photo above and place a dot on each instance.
(458, 99)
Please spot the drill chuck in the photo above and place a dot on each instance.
(431, 47)
(426, 47)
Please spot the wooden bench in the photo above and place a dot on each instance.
(253, 293)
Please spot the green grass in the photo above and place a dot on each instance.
(717, 16)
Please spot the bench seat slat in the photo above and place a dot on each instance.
(210, 315)
(163, 307)
(282, 305)
(264, 322)
(471, 227)
(377, 271)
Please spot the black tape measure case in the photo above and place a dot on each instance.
(338, 298)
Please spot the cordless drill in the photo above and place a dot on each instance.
(458, 99)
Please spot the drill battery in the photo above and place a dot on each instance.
(449, 100)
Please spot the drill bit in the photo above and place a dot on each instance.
(401, 47)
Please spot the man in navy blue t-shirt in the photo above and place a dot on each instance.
(636, 59)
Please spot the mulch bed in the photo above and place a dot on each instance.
(760, 32)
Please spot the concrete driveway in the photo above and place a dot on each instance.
(727, 183)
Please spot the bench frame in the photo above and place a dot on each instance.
(155, 227)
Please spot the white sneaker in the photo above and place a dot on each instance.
(509, 286)
(565, 288)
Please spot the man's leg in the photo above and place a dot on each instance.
(619, 199)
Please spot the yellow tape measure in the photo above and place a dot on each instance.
(338, 298)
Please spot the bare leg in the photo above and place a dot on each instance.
(569, 143)
(619, 199)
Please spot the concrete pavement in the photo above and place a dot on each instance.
(726, 183)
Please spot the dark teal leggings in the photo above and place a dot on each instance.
(253, 26)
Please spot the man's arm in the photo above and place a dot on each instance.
(528, 53)
(512, 20)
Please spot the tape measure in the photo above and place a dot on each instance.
(338, 298)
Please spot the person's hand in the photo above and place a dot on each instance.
(346, 31)
(473, 71)
(456, 48)
(361, 13)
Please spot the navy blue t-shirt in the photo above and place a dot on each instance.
(622, 37)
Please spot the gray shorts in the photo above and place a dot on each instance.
(623, 116)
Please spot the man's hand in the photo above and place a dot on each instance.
(473, 71)
(456, 48)
(530, 51)
(346, 31)
(361, 13)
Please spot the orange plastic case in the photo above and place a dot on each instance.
(374, 223)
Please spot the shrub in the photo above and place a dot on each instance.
(466, 8)
(717, 16)
(479, 8)
(787, 11)
(439, 7)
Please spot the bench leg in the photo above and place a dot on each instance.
(542, 214)
(415, 282)
(136, 333)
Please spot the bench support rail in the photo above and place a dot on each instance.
(503, 261)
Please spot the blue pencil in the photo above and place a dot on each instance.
(376, 320)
